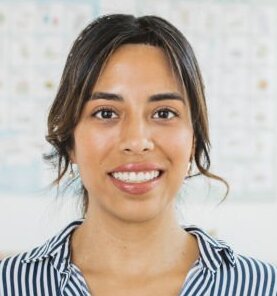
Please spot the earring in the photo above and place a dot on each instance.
(189, 169)
(71, 173)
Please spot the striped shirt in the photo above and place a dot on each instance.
(47, 270)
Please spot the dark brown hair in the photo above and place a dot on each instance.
(87, 57)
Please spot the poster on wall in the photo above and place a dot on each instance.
(35, 40)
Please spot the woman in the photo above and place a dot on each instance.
(131, 114)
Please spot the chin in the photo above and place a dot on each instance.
(140, 213)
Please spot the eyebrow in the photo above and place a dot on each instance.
(153, 98)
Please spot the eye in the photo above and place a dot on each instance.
(104, 113)
(165, 113)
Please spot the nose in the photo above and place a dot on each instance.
(136, 138)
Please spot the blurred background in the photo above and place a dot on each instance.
(235, 43)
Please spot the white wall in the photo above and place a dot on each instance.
(250, 228)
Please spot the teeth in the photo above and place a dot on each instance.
(133, 177)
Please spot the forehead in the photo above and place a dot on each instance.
(133, 52)
(139, 63)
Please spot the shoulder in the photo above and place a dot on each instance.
(17, 273)
(9, 265)
(255, 275)
(248, 276)
(231, 272)
(39, 269)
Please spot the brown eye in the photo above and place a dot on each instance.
(165, 113)
(105, 113)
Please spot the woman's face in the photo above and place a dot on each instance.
(134, 138)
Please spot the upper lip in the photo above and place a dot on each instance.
(137, 167)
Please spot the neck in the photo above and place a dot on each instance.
(103, 244)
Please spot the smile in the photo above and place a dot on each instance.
(136, 177)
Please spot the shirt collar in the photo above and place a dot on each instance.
(212, 252)
(53, 246)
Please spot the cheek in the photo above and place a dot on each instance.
(93, 145)
(92, 148)
(178, 144)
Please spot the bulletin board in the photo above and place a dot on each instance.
(235, 42)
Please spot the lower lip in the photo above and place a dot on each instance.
(136, 188)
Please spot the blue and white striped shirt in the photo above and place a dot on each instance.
(47, 270)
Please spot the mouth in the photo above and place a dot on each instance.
(136, 177)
